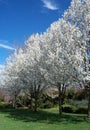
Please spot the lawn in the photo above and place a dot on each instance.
(49, 119)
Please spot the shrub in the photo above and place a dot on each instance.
(1, 104)
(73, 109)
(1, 99)
(5, 105)
(81, 110)
(46, 104)
(68, 108)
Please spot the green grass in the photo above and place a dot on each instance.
(48, 119)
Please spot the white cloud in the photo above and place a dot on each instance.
(6, 47)
(50, 5)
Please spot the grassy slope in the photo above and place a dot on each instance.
(42, 120)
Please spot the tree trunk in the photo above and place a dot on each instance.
(31, 106)
(36, 104)
(88, 90)
(60, 99)
(14, 101)
(37, 94)
(89, 103)
(36, 100)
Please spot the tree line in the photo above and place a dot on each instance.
(56, 58)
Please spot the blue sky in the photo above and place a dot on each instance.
(21, 18)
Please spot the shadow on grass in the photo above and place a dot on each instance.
(42, 116)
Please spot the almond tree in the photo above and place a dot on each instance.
(11, 79)
(24, 71)
(62, 55)
(33, 68)
(78, 14)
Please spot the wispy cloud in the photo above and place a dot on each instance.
(3, 2)
(6, 47)
(51, 5)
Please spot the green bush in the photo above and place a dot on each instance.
(2, 104)
(5, 105)
(72, 109)
(81, 110)
(46, 104)
(1, 100)
(68, 109)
